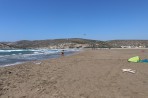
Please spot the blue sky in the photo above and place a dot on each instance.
(92, 19)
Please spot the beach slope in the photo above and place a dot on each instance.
(88, 74)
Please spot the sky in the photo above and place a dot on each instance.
(89, 19)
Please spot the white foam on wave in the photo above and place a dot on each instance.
(12, 64)
(45, 52)
(72, 50)
(39, 52)
(36, 51)
(12, 50)
(20, 50)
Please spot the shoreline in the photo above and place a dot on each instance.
(50, 56)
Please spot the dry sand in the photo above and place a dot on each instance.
(89, 74)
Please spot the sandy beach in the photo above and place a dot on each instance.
(88, 74)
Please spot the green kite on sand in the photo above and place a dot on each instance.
(134, 59)
(137, 59)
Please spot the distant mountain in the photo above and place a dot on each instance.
(71, 43)
(6, 45)
(55, 42)
(119, 43)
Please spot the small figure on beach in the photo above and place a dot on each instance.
(142, 51)
(62, 53)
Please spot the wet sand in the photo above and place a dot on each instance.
(88, 74)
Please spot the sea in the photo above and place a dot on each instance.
(18, 56)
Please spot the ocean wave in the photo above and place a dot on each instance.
(12, 50)
(29, 55)
(37, 50)
(2, 59)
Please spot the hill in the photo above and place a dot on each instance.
(132, 43)
(72, 43)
